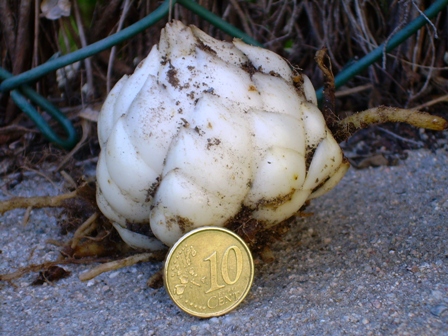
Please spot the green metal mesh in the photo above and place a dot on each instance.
(21, 93)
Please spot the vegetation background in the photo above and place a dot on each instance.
(413, 75)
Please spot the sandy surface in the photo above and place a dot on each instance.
(373, 260)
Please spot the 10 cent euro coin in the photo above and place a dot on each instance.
(208, 272)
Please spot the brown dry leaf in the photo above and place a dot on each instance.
(372, 161)
(53, 273)
(55, 9)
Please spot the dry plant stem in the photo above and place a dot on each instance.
(106, 13)
(87, 61)
(85, 134)
(126, 7)
(279, 17)
(328, 104)
(433, 102)
(398, 137)
(8, 25)
(417, 50)
(242, 16)
(35, 202)
(383, 114)
(22, 43)
(21, 51)
(427, 19)
(87, 227)
(16, 129)
(313, 24)
(288, 27)
(296, 10)
(35, 59)
(114, 265)
(351, 91)
(254, 32)
(364, 26)
(36, 35)
(226, 12)
(414, 96)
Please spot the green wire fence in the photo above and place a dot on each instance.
(20, 92)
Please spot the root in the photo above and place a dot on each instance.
(117, 264)
(46, 265)
(382, 114)
(86, 228)
(107, 266)
(94, 238)
(36, 202)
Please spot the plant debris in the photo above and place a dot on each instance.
(51, 274)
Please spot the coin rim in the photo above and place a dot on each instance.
(180, 241)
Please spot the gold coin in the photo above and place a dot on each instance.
(208, 272)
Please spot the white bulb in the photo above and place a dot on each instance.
(205, 129)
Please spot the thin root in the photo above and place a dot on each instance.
(117, 264)
(35, 202)
(87, 227)
(39, 267)
(26, 217)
